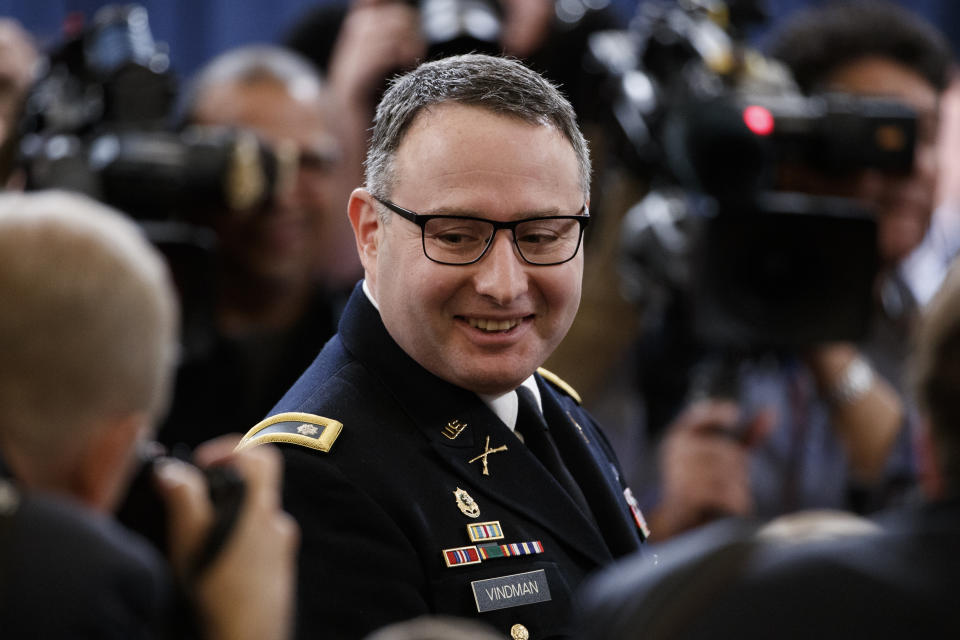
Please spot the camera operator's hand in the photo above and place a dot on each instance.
(247, 590)
(377, 38)
(703, 466)
(865, 410)
(526, 24)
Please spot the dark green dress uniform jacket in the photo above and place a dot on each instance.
(380, 480)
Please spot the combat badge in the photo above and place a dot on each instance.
(466, 504)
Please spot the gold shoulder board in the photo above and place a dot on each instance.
(304, 429)
(558, 382)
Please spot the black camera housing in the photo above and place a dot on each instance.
(144, 511)
(713, 126)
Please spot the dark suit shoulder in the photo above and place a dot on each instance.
(102, 580)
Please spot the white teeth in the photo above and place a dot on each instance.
(492, 325)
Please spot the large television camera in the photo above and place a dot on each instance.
(100, 121)
(719, 130)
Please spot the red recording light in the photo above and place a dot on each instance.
(758, 119)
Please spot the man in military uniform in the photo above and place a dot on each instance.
(432, 466)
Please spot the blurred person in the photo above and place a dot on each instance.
(277, 295)
(831, 426)
(897, 577)
(403, 462)
(19, 61)
(88, 333)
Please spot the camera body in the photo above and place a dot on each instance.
(100, 121)
(716, 127)
(143, 510)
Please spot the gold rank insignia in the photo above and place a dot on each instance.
(304, 429)
(466, 504)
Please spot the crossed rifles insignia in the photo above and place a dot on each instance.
(486, 452)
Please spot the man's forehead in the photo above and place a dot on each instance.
(438, 115)
(884, 77)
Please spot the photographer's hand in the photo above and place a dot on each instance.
(247, 591)
(865, 410)
(703, 466)
(378, 37)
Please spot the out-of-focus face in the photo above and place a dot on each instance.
(278, 242)
(485, 326)
(18, 60)
(903, 202)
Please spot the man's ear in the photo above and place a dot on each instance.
(107, 461)
(366, 226)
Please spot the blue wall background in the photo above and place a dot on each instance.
(196, 30)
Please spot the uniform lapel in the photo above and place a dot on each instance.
(520, 482)
(594, 473)
(516, 478)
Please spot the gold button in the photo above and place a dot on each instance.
(519, 632)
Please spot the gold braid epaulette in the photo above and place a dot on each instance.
(558, 382)
(304, 429)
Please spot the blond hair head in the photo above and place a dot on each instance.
(88, 322)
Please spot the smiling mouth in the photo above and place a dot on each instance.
(493, 326)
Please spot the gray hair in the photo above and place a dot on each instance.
(88, 322)
(251, 64)
(501, 85)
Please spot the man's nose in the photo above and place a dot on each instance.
(501, 274)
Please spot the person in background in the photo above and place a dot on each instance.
(892, 577)
(88, 332)
(276, 295)
(836, 419)
(19, 62)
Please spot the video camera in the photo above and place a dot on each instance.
(100, 121)
(716, 127)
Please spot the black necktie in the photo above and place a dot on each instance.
(536, 435)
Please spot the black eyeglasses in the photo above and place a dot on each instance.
(460, 240)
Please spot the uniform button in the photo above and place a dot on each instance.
(519, 632)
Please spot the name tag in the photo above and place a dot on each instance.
(511, 591)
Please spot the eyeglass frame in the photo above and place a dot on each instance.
(420, 219)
